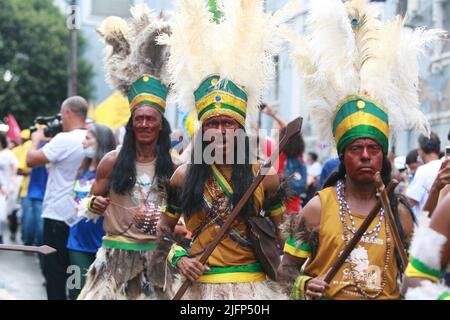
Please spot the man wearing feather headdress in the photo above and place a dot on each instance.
(361, 77)
(129, 190)
(221, 69)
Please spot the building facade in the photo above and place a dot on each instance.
(286, 93)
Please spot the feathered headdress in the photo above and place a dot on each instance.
(222, 67)
(135, 63)
(361, 74)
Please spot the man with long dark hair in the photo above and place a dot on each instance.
(359, 108)
(129, 190)
(220, 86)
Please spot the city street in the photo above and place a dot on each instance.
(20, 276)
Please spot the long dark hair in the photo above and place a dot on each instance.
(106, 142)
(124, 172)
(197, 175)
(386, 176)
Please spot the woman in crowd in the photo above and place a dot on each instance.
(86, 236)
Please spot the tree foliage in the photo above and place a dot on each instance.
(34, 51)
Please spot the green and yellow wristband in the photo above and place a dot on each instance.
(298, 290)
(172, 211)
(91, 202)
(175, 254)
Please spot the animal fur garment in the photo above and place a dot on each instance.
(261, 290)
(129, 275)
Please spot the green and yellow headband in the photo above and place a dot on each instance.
(358, 117)
(216, 97)
(150, 91)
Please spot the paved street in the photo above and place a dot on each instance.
(20, 276)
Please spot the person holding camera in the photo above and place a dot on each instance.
(64, 154)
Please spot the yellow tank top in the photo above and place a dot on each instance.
(368, 258)
(229, 252)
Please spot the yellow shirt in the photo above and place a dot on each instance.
(368, 257)
(21, 154)
(228, 252)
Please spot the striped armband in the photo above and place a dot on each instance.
(91, 200)
(298, 290)
(172, 211)
(175, 254)
(418, 269)
(291, 247)
(276, 210)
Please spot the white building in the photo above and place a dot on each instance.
(287, 92)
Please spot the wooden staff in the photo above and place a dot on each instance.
(359, 233)
(391, 220)
(293, 128)
(45, 250)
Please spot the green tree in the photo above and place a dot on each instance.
(34, 50)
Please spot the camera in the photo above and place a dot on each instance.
(53, 125)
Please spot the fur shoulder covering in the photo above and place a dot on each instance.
(295, 227)
(427, 244)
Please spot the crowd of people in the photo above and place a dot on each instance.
(136, 218)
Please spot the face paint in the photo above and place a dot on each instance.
(147, 123)
(362, 159)
(220, 131)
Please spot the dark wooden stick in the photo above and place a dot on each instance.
(391, 221)
(292, 128)
(359, 233)
(45, 250)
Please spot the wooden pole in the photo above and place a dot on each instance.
(391, 221)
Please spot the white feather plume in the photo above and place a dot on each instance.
(369, 56)
(240, 48)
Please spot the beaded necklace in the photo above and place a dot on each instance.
(352, 265)
(343, 205)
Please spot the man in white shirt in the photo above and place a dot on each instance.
(420, 187)
(8, 168)
(64, 154)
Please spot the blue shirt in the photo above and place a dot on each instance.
(86, 235)
(38, 182)
(328, 168)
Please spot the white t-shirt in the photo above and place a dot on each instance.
(419, 188)
(314, 170)
(65, 153)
